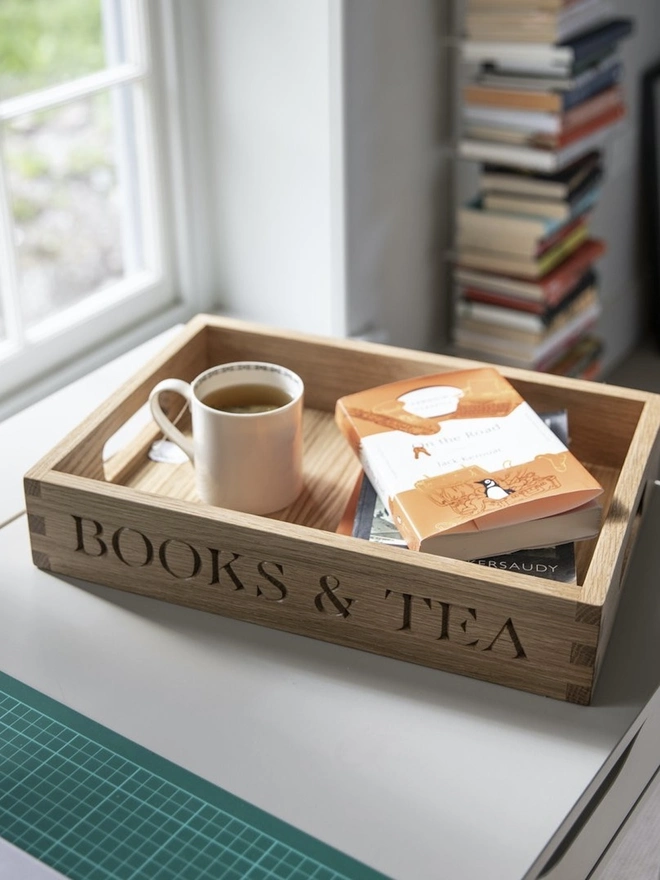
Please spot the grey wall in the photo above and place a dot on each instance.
(618, 218)
(393, 93)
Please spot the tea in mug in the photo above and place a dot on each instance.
(247, 399)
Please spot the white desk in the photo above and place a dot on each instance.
(418, 773)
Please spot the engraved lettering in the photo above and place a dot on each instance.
(330, 585)
(407, 607)
(261, 568)
(148, 547)
(196, 559)
(513, 635)
(216, 568)
(444, 625)
(451, 624)
(80, 535)
(464, 625)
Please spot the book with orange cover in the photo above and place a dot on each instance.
(466, 467)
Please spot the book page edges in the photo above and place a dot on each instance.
(571, 526)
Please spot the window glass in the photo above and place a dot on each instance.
(48, 42)
(75, 222)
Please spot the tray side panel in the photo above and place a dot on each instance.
(332, 368)
(609, 564)
(500, 627)
(327, 589)
(81, 451)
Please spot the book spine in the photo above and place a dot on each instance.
(585, 202)
(567, 335)
(543, 157)
(576, 133)
(587, 111)
(511, 184)
(552, 57)
(499, 285)
(525, 121)
(599, 40)
(510, 99)
(530, 335)
(499, 316)
(505, 154)
(549, 5)
(523, 205)
(537, 354)
(601, 81)
(565, 277)
(346, 426)
(568, 227)
(598, 123)
(528, 269)
(502, 300)
(476, 220)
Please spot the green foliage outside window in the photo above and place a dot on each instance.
(45, 42)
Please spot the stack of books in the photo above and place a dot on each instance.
(546, 88)
(459, 465)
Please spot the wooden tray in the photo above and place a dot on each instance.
(134, 524)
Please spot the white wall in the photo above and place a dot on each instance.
(274, 140)
(323, 145)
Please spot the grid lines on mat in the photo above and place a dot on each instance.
(90, 812)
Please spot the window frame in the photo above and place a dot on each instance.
(143, 304)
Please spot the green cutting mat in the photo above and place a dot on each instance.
(97, 806)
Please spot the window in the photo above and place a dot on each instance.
(84, 204)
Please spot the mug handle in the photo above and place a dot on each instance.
(166, 426)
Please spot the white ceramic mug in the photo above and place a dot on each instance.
(247, 461)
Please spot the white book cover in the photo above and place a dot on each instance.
(458, 454)
(520, 120)
(537, 55)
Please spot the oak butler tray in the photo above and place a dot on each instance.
(136, 525)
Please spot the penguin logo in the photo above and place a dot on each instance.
(494, 490)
